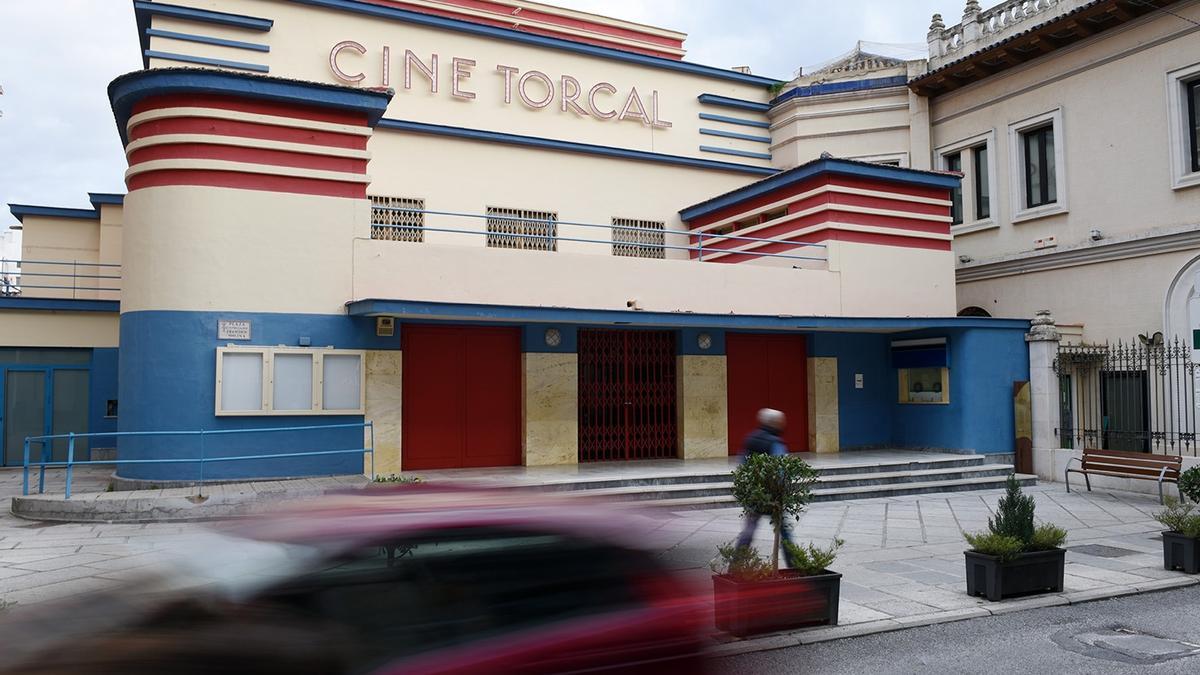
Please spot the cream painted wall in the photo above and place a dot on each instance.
(1114, 301)
(1112, 91)
(72, 244)
(893, 281)
(549, 409)
(468, 176)
(702, 406)
(205, 248)
(58, 329)
(867, 124)
(302, 37)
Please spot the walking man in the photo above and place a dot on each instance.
(765, 440)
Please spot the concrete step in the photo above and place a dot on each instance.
(897, 467)
(860, 492)
(713, 488)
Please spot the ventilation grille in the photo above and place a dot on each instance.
(638, 238)
(397, 219)
(522, 229)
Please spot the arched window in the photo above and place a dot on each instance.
(974, 311)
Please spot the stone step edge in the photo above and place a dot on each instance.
(991, 471)
(972, 461)
(872, 491)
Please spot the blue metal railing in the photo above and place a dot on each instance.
(699, 236)
(70, 463)
(14, 281)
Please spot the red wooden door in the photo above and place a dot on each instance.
(626, 395)
(767, 371)
(461, 399)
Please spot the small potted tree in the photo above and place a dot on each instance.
(1015, 556)
(1181, 540)
(752, 594)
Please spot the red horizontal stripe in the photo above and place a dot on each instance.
(251, 106)
(734, 210)
(269, 132)
(251, 155)
(884, 203)
(528, 14)
(778, 231)
(247, 181)
(834, 234)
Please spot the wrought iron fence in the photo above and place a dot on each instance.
(1138, 396)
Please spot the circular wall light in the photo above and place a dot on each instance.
(704, 341)
(553, 337)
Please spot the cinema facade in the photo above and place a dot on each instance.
(505, 234)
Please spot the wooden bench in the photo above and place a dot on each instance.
(1122, 464)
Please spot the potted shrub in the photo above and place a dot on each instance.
(1015, 556)
(1189, 484)
(752, 594)
(1181, 540)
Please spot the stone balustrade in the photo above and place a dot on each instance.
(981, 28)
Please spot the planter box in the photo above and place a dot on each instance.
(789, 601)
(1035, 572)
(1180, 552)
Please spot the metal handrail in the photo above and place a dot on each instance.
(70, 463)
(698, 248)
(58, 262)
(14, 280)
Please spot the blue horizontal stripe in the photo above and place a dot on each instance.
(841, 87)
(19, 211)
(569, 146)
(727, 102)
(461, 26)
(204, 15)
(738, 153)
(105, 198)
(735, 120)
(128, 89)
(730, 134)
(565, 315)
(804, 171)
(204, 39)
(184, 58)
(60, 305)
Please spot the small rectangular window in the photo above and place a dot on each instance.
(954, 163)
(241, 381)
(1040, 179)
(522, 229)
(397, 219)
(292, 385)
(638, 238)
(341, 382)
(983, 197)
(1193, 111)
(924, 385)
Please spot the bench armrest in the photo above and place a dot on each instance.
(1074, 459)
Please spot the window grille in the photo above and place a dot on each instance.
(522, 229)
(638, 238)
(397, 219)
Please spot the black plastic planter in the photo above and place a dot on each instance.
(789, 601)
(1036, 572)
(1180, 552)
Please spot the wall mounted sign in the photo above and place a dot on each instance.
(535, 89)
(233, 329)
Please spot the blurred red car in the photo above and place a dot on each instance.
(412, 579)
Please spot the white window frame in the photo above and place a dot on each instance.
(900, 157)
(965, 147)
(1016, 153)
(1182, 175)
(268, 385)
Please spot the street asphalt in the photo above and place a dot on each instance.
(1108, 636)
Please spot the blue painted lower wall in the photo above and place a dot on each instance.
(984, 363)
(167, 383)
(102, 387)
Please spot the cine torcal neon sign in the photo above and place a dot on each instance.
(535, 89)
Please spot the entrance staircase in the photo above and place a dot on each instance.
(879, 478)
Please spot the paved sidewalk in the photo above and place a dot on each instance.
(902, 562)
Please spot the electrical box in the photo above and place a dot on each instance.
(385, 326)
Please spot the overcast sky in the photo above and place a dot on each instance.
(58, 140)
